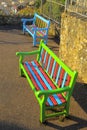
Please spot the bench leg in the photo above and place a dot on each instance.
(21, 72)
(67, 108)
(23, 30)
(42, 113)
(34, 41)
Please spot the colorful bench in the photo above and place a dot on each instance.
(38, 28)
(50, 79)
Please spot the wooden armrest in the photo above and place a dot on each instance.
(23, 54)
(27, 19)
(27, 53)
(50, 92)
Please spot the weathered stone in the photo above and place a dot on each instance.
(73, 44)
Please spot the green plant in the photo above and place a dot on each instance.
(37, 3)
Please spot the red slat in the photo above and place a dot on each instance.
(51, 65)
(68, 80)
(55, 71)
(61, 78)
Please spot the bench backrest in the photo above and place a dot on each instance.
(41, 21)
(60, 73)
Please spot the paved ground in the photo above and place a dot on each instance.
(19, 109)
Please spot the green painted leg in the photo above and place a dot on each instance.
(21, 72)
(42, 113)
(67, 109)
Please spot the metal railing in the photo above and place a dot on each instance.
(77, 6)
(52, 9)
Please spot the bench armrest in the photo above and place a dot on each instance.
(27, 53)
(25, 20)
(50, 92)
(23, 54)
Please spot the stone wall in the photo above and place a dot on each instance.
(73, 44)
(12, 19)
(9, 19)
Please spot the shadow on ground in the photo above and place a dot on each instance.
(80, 95)
(78, 124)
(10, 126)
(10, 27)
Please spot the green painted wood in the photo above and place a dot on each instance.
(42, 96)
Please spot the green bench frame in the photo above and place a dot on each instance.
(57, 75)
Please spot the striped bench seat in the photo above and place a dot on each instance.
(41, 81)
(51, 80)
(33, 28)
(37, 27)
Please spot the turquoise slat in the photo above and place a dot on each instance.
(48, 63)
(41, 54)
(58, 74)
(64, 80)
(53, 68)
(44, 59)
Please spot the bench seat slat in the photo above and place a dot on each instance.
(42, 82)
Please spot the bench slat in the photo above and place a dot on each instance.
(50, 67)
(61, 77)
(52, 72)
(48, 63)
(64, 79)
